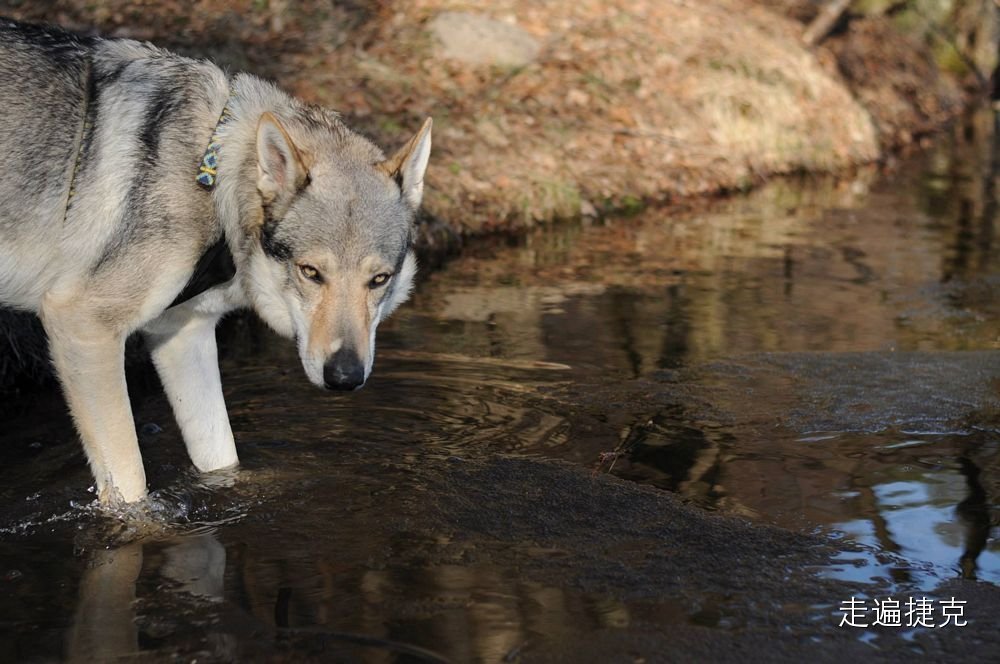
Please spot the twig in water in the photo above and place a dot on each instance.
(603, 458)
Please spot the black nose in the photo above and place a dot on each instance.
(344, 371)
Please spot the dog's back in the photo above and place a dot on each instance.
(105, 117)
(42, 75)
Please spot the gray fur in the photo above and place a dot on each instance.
(318, 222)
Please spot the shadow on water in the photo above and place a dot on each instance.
(820, 355)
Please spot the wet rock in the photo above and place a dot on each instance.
(477, 39)
(921, 392)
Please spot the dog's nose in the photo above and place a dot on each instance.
(344, 371)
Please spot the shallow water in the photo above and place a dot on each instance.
(820, 355)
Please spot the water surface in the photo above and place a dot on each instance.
(820, 355)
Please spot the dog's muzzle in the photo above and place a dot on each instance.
(344, 371)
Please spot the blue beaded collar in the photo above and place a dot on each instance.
(209, 170)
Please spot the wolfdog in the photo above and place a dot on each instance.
(127, 170)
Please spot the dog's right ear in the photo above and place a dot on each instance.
(280, 170)
(407, 166)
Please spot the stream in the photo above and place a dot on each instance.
(819, 356)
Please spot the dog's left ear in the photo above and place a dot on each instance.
(280, 170)
(407, 166)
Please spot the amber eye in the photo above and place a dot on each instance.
(311, 273)
(379, 280)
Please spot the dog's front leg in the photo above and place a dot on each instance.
(184, 351)
(89, 357)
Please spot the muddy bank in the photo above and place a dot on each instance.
(566, 108)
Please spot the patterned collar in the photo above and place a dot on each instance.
(208, 170)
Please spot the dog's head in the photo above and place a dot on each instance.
(334, 255)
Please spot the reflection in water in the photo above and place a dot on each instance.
(926, 510)
(104, 626)
(132, 596)
(197, 564)
(974, 514)
(927, 503)
(871, 269)
(817, 354)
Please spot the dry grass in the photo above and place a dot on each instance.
(629, 100)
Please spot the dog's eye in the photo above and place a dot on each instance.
(379, 280)
(311, 273)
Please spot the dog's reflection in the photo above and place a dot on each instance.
(104, 626)
(198, 564)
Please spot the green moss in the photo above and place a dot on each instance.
(389, 126)
(949, 59)
(630, 204)
(549, 199)
(871, 7)
(910, 22)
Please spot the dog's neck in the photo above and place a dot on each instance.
(237, 202)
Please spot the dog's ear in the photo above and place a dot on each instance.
(407, 166)
(280, 169)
